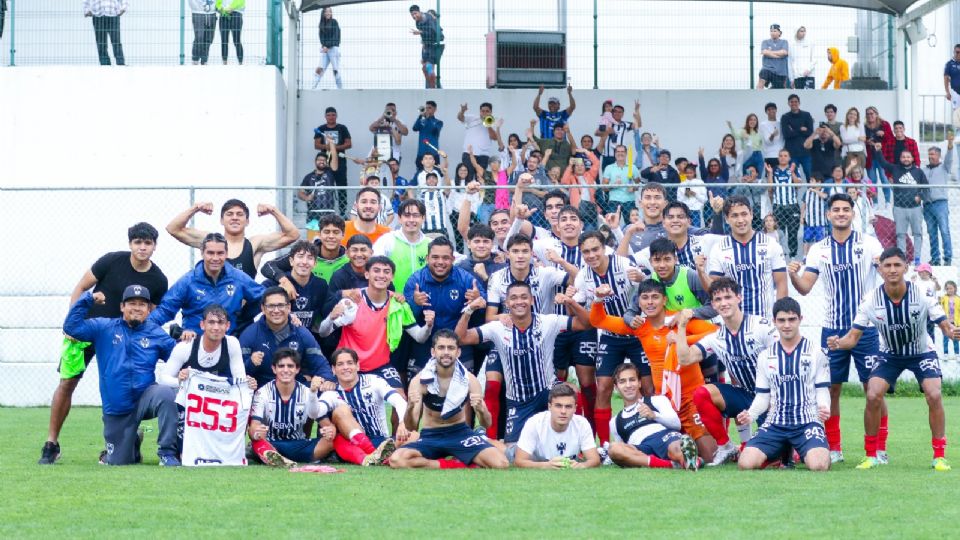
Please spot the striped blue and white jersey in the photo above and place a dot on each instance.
(696, 245)
(792, 381)
(437, 216)
(740, 348)
(367, 399)
(902, 325)
(286, 418)
(624, 290)
(526, 355)
(815, 209)
(752, 266)
(847, 271)
(571, 254)
(543, 281)
(784, 192)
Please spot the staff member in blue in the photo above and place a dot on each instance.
(128, 349)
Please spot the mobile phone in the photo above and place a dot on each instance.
(603, 127)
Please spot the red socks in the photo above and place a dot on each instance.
(939, 447)
(882, 434)
(710, 415)
(361, 440)
(451, 463)
(491, 397)
(656, 463)
(870, 445)
(348, 451)
(832, 427)
(261, 446)
(602, 418)
(589, 394)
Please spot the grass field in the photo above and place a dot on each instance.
(78, 498)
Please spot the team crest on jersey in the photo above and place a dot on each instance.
(858, 251)
(561, 448)
(751, 343)
(144, 342)
(301, 302)
(421, 260)
(368, 396)
(761, 253)
(678, 298)
(454, 294)
(914, 313)
(231, 289)
(294, 345)
(805, 366)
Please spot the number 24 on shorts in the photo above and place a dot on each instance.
(213, 408)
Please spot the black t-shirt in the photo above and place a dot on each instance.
(114, 273)
(339, 133)
(824, 157)
(323, 199)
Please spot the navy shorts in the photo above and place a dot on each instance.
(299, 450)
(519, 412)
(735, 399)
(613, 350)
(658, 444)
(814, 234)
(493, 362)
(865, 355)
(389, 374)
(457, 440)
(924, 366)
(773, 439)
(575, 349)
(711, 367)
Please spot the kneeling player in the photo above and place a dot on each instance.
(645, 433)
(438, 394)
(554, 438)
(793, 389)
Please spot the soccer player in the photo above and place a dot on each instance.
(609, 271)
(525, 350)
(684, 287)
(753, 260)
(847, 261)
(212, 352)
(554, 439)
(792, 388)
(367, 208)
(543, 281)
(690, 244)
(110, 274)
(646, 432)
(307, 292)
(367, 395)
(242, 252)
(737, 344)
(128, 348)
(679, 382)
(480, 260)
(653, 202)
(900, 310)
(347, 280)
(438, 396)
(406, 247)
(330, 255)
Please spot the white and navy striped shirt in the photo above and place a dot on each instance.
(739, 350)
(436, 219)
(752, 266)
(847, 271)
(571, 254)
(902, 325)
(543, 281)
(526, 355)
(624, 290)
(815, 209)
(696, 245)
(792, 380)
(784, 192)
(618, 135)
(285, 419)
(367, 400)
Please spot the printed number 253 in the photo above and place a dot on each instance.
(209, 410)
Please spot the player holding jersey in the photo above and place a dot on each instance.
(612, 349)
(737, 344)
(555, 438)
(525, 350)
(901, 311)
(751, 259)
(646, 432)
(847, 262)
(367, 395)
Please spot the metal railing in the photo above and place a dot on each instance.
(937, 118)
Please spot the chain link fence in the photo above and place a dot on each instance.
(79, 225)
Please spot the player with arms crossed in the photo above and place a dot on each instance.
(646, 432)
(847, 262)
(793, 391)
(437, 396)
(556, 437)
(900, 310)
(737, 344)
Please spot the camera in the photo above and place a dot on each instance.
(388, 114)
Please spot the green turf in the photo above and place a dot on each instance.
(79, 499)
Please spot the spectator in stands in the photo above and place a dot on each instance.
(830, 112)
(557, 149)
(478, 133)
(751, 141)
(907, 211)
(813, 216)
(325, 165)
(663, 173)
(553, 115)
(839, 70)
(771, 136)
(204, 17)
(428, 126)
(863, 215)
(802, 61)
(773, 67)
(231, 22)
(341, 139)
(772, 229)
(950, 303)
(936, 210)
(329, 48)
(533, 174)
(797, 125)
(823, 145)
(714, 175)
(786, 204)
(396, 180)
(754, 193)
(878, 130)
(431, 40)
(389, 124)
(693, 194)
(951, 81)
(622, 179)
(647, 145)
(900, 142)
(489, 178)
(853, 137)
(727, 154)
(106, 23)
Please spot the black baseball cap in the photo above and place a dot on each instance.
(136, 291)
(775, 27)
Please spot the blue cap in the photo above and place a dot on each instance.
(136, 291)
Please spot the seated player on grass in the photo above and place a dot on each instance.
(367, 395)
(646, 432)
(556, 438)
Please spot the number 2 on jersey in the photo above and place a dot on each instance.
(212, 408)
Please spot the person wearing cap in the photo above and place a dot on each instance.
(128, 349)
(553, 114)
(341, 139)
(774, 53)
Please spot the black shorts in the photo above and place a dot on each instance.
(575, 349)
(774, 80)
(431, 54)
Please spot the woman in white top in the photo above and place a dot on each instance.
(802, 61)
(751, 142)
(853, 137)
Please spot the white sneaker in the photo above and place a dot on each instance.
(836, 456)
(604, 452)
(724, 454)
(882, 457)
